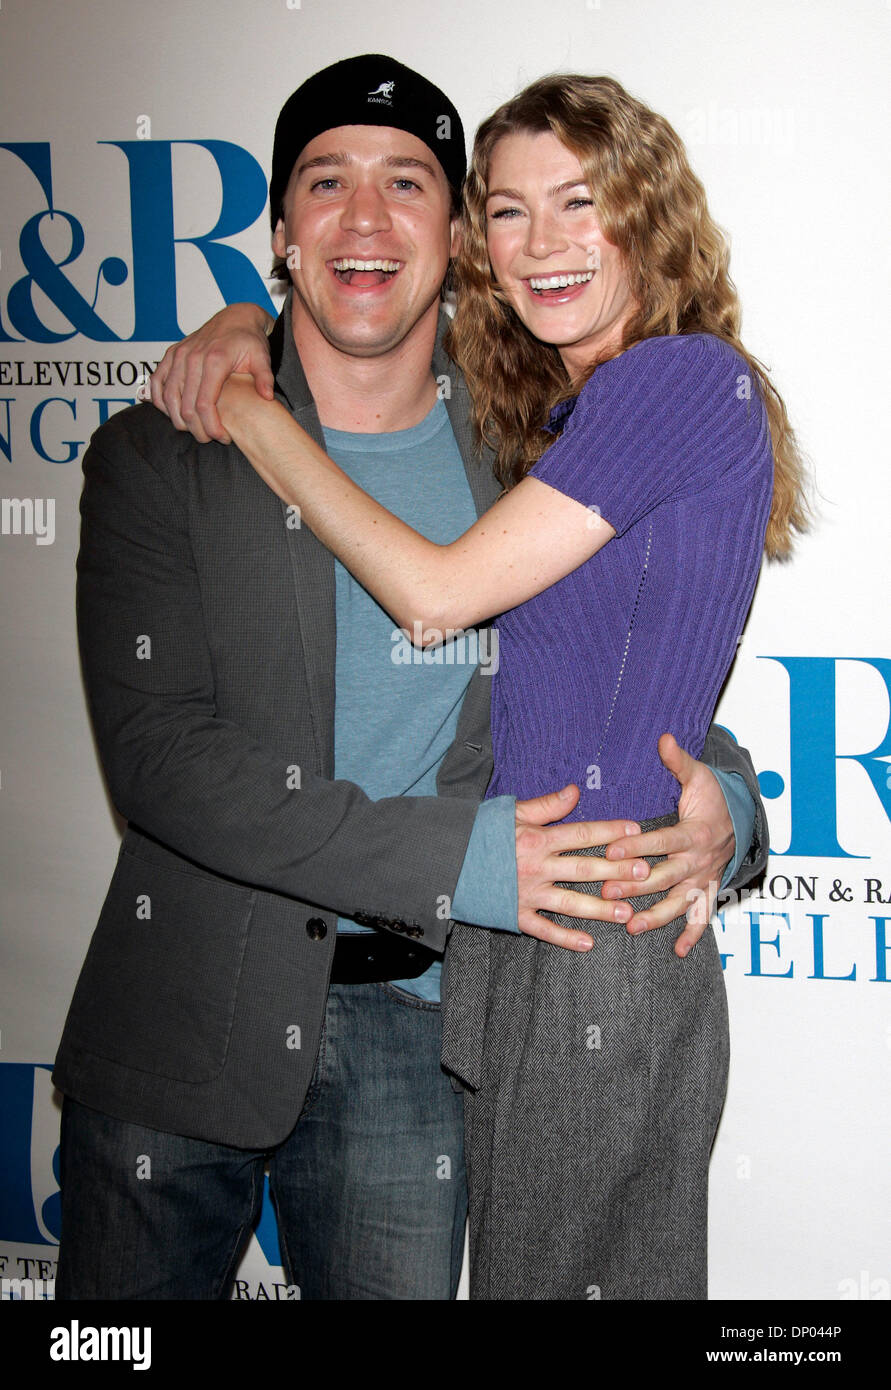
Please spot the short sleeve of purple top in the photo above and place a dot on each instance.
(669, 442)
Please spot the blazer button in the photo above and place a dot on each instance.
(316, 929)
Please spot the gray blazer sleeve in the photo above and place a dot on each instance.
(200, 783)
(723, 752)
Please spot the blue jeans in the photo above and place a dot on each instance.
(368, 1188)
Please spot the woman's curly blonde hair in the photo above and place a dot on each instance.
(651, 206)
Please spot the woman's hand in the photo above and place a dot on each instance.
(187, 382)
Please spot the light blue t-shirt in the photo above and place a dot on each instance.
(396, 705)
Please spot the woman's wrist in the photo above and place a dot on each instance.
(238, 401)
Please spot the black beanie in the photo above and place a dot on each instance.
(369, 90)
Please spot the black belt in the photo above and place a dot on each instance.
(364, 957)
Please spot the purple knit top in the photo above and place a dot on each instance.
(669, 442)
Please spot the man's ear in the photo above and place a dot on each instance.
(278, 239)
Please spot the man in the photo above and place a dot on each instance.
(272, 826)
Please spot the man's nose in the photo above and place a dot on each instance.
(366, 211)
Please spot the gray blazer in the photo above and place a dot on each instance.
(206, 622)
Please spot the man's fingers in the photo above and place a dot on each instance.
(571, 904)
(533, 925)
(208, 386)
(541, 810)
(614, 889)
(662, 877)
(591, 868)
(672, 905)
(669, 839)
(585, 834)
(202, 384)
(688, 899)
(689, 937)
(265, 381)
(158, 380)
(197, 430)
(676, 759)
(253, 361)
(172, 389)
(172, 402)
(207, 378)
(187, 381)
(207, 413)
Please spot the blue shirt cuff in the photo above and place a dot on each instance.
(741, 808)
(486, 893)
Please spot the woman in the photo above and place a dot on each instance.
(593, 303)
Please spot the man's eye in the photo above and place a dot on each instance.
(325, 184)
(405, 184)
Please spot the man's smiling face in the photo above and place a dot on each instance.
(368, 208)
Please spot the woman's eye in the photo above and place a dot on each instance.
(580, 203)
(501, 214)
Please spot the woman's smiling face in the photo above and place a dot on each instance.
(549, 255)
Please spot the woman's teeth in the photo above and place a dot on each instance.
(538, 283)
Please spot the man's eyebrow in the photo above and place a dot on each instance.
(338, 159)
(399, 161)
(321, 161)
(553, 192)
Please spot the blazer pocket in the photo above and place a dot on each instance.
(158, 988)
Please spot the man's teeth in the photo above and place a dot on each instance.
(350, 263)
(559, 282)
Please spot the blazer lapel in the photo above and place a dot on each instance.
(312, 564)
(477, 465)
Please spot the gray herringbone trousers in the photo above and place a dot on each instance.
(587, 1140)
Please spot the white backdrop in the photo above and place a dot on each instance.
(784, 106)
